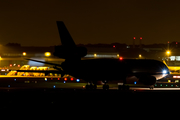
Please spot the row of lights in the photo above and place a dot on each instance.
(65, 79)
(47, 54)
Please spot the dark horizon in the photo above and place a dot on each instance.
(33, 23)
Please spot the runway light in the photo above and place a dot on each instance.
(77, 80)
(155, 85)
(71, 79)
(135, 82)
(161, 85)
(51, 78)
(58, 78)
(121, 58)
(166, 85)
(171, 85)
(169, 80)
(65, 79)
(10, 65)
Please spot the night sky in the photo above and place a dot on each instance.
(33, 22)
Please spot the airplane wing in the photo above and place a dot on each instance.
(45, 62)
(41, 71)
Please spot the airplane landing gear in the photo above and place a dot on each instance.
(123, 86)
(105, 87)
(91, 86)
(151, 87)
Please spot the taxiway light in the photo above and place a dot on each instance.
(8, 85)
(169, 80)
(77, 80)
(171, 85)
(10, 65)
(58, 78)
(45, 79)
(54, 86)
(51, 78)
(14, 79)
(135, 82)
(64, 81)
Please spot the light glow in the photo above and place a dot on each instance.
(47, 54)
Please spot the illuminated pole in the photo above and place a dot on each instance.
(140, 41)
(168, 53)
(134, 42)
(47, 54)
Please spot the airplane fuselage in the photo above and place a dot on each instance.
(114, 69)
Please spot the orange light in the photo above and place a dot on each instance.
(71, 79)
(121, 58)
(65, 79)
(18, 65)
(10, 65)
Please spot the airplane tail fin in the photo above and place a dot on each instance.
(68, 50)
(65, 37)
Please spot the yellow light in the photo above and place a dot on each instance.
(140, 55)
(24, 53)
(168, 52)
(117, 55)
(95, 55)
(47, 54)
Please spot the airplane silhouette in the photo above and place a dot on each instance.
(147, 71)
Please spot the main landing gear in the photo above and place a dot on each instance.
(93, 86)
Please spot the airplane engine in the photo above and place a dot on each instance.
(70, 52)
(147, 80)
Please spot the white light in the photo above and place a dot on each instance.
(64, 81)
(77, 80)
(164, 71)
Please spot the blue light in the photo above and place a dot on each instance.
(14, 79)
(77, 80)
(64, 81)
(54, 86)
(164, 71)
(135, 82)
(8, 85)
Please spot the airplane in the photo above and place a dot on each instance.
(147, 71)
